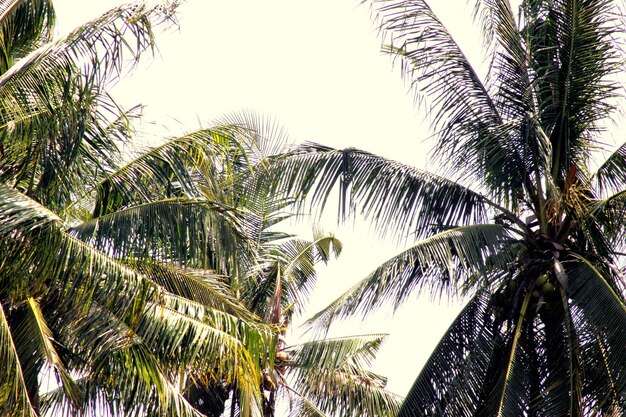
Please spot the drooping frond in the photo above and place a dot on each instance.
(14, 400)
(182, 333)
(283, 276)
(198, 285)
(601, 310)
(188, 232)
(20, 213)
(53, 111)
(333, 375)
(394, 196)
(24, 26)
(35, 344)
(147, 388)
(466, 119)
(358, 351)
(209, 163)
(451, 381)
(611, 175)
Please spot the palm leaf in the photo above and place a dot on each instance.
(574, 60)
(146, 387)
(201, 286)
(466, 119)
(604, 309)
(395, 196)
(335, 353)
(53, 113)
(451, 381)
(611, 175)
(188, 232)
(330, 377)
(24, 25)
(440, 264)
(13, 389)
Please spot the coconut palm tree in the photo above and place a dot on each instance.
(521, 219)
(321, 377)
(105, 283)
(276, 275)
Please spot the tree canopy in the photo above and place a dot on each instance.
(521, 219)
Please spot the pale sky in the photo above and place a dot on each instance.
(315, 67)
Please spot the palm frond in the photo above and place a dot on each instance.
(53, 111)
(604, 309)
(260, 136)
(24, 25)
(611, 175)
(198, 285)
(189, 232)
(466, 119)
(18, 212)
(189, 165)
(394, 196)
(300, 406)
(358, 351)
(348, 392)
(440, 264)
(14, 399)
(331, 375)
(454, 377)
(37, 348)
(146, 388)
(574, 58)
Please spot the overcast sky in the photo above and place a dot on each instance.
(315, 67)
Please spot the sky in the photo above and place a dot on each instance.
(316, 68)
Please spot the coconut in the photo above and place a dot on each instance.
(548, 288)
(542, 279)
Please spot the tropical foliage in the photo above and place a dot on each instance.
(321, 377)
(112, 273)
(521, 219)
(150, 282)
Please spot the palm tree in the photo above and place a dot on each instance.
(110, 277)
(520, 220)
(321, 377)
(276, 275)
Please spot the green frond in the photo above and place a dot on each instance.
(208, 163)
(198, 285)
(189, 232)
(300, 406)
(601, 309)
(347, 392)
(35, 336)
(358, 351)
(24, 25)
(14, 399)
(575, 54)
(611, 175)
(53, 111)
(146, 388)
(330, 376)
(285, 274)
(451, 381)
(394, 196)
(260, 136)
(438, 264)
(466, 119)
(19, 213)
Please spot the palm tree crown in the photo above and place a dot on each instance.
(519, 220)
